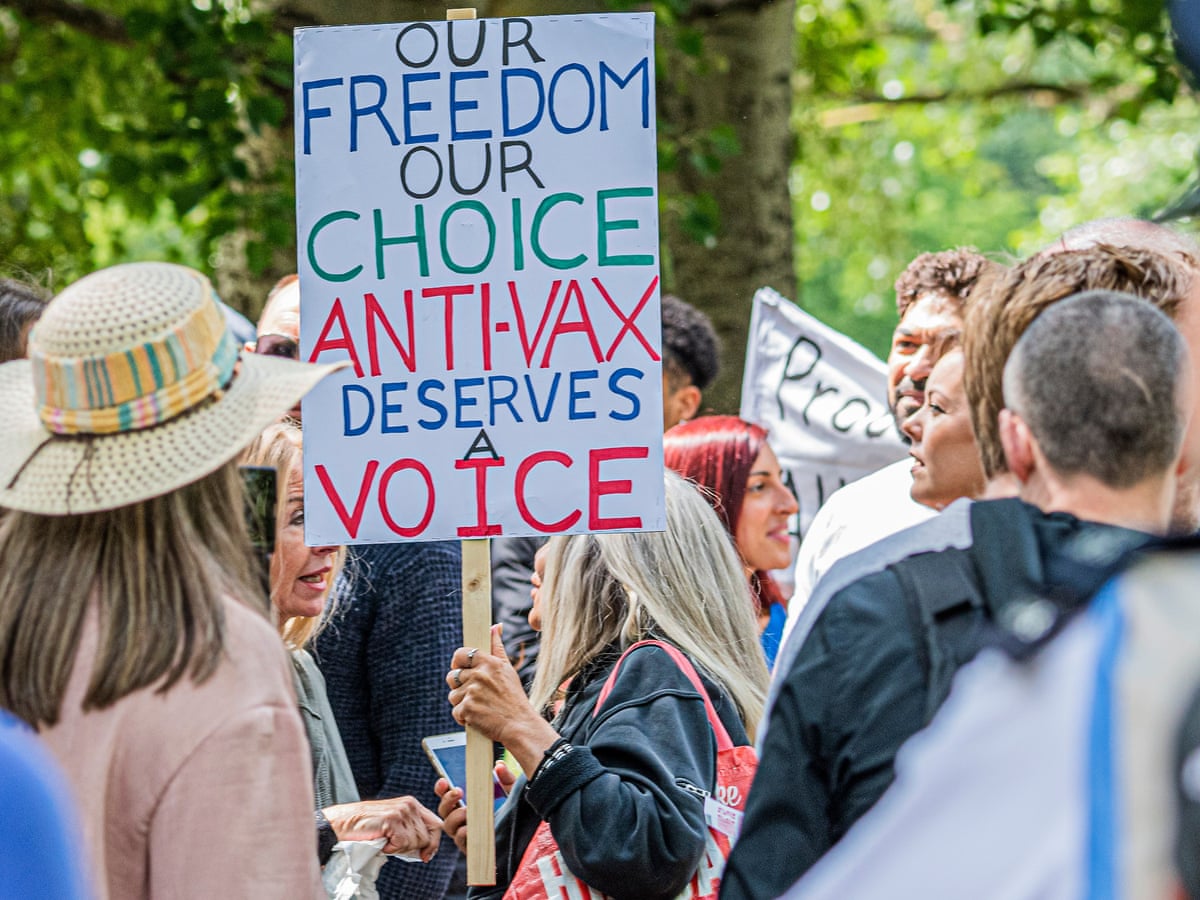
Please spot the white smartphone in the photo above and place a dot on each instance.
(448, 753)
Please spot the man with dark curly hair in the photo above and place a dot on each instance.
(931, 296)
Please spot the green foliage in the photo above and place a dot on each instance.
(137, 133)
(921, 124)
(995, 123)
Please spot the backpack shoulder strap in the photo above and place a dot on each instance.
(946, 610)
(724, 741)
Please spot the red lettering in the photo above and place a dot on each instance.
(375, 313)
(520, 314)
(584, 324)
(485, 321)
(523, 471)
(598, 488)
(480, 464)
(448, 293)
(350, 521)
(324, 342)
(399, 466)
(627, 326)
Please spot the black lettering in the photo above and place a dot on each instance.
(482, 444)
(417, 26)
(885, 423)
(523, 41)
(815, 350)
(454, 57)
(437, 182)
(818, 393)
(853, 401)
(487, 170)
(524, 165)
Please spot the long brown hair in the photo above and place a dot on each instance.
(154, 572)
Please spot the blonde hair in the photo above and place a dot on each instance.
(154, 571)
(280, 446)
(685, 585)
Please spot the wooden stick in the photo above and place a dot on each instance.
(477, 623)
(477, 632)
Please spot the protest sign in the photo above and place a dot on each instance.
(821, 396)
(478, 234)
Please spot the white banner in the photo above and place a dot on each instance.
(821, 396)
(478, 234)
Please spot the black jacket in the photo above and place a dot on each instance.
(627, 809)
(861, 686)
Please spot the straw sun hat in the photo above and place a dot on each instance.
(133, 389)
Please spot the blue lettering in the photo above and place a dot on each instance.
(411, 106)
(542, 414)
(591, 93)
(347, 429)
(386, 407)
(376, 109)
(606, 73)
(321, 112)
(577, 393)
(431, 384)
(614, 385)
(461, 402)
(503, 400)
(511, 130)
(456, 105)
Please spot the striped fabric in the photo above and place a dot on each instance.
(139, 388)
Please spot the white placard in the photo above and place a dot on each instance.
(821, 396)
(478, 233)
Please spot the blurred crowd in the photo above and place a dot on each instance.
(979, 677)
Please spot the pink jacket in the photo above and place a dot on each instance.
(204, 791)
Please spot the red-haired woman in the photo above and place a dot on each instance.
(730, 459)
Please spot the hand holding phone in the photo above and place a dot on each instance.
(448, 754)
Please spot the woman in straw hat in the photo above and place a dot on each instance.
(130, 635)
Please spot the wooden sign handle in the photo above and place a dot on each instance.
(477, 632)
(477, 625)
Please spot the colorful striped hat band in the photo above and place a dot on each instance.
(140, 387)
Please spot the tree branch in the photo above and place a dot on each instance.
(79, 16)
(868, 107)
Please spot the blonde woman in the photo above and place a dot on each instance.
(131, 636)
(623, 791)
(301, 578)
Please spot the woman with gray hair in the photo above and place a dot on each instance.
(621, 781)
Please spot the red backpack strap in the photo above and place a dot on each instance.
(724, 742)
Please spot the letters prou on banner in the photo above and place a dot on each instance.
(821, 396)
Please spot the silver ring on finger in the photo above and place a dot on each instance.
(457, 675)
(471, 656)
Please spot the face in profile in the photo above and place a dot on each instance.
(535, 593)
(762, 536)
(300, 575)
(917, 343)
(946, 462)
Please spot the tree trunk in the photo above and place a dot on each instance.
(743, 82)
